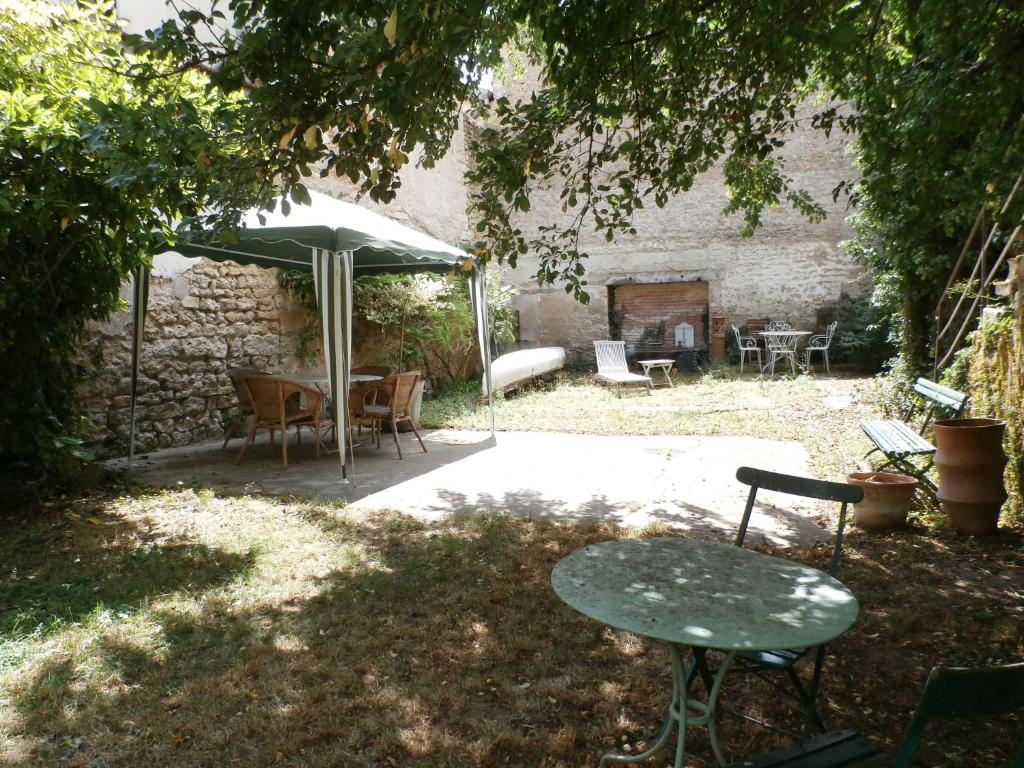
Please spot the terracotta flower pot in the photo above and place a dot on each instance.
(970, 458)
(887, 499)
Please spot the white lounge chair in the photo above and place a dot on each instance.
(612, 368)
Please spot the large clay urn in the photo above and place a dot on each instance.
(970, 457)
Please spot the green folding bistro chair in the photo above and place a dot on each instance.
(783, 661)
(948, 692)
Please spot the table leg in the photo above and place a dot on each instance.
(668, 377)
(679, 711)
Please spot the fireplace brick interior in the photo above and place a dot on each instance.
(643, 307)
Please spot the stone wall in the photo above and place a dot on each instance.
(203, 318)
(206, 317)
(789, 270)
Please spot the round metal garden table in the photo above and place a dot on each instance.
(688, 592)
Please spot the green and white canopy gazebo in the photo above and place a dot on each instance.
(337, 242)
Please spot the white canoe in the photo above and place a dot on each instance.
(515, 367)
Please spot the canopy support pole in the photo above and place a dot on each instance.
(332, 278)
(478, 293)
(140, 296)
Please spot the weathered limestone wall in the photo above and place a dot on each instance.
(431, 201)
(203, 318)
(788, 270)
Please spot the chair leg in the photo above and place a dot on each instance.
(811, 718)
(699, 665)
(417, 433)
(827, 369)
(351, 447)
(743, 354)
(228, 430)
(284, 445)
(394, 434)
(248, 440)
(316, 438)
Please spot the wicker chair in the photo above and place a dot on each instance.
(237, 376)
(399, 390)
(277, 405)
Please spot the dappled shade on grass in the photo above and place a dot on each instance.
(290, 633)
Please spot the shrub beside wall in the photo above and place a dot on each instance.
(990, 371)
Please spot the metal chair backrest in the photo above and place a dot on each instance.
(611, 356)
(961, 692)
(736, 333)
(829, 331)
(806, 487)
(778, 325)
(238, 376)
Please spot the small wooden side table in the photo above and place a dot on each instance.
(664, 365)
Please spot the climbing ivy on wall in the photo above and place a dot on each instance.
(989, 370)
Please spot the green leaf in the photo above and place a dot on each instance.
(391, 26)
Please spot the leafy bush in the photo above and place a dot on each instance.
(420, 321)
(862, 337)
(988, 370)
(95, 168)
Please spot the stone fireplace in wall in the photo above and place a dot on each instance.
(658, 317)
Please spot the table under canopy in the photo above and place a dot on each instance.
(337, 242)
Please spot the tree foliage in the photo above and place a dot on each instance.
(936, 99)
(637, 99)
(420, 321)
(94, 168)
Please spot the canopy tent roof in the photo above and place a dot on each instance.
(377, 243)
(336, 241)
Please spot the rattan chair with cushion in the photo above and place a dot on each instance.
(398, 390)
(237, 376)
(278, 404)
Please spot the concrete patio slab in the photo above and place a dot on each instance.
(683, 482)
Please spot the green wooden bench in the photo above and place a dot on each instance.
(898, 441)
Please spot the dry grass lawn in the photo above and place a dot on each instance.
(821, 412)
(184, 629)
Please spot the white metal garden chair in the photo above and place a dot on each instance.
(612, 368)
(747, 346)
(820, 343)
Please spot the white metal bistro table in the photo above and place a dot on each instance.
(665, 365)
(689, 592)
(787, 340)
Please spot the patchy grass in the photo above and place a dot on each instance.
(820, 412)
(186, 629)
